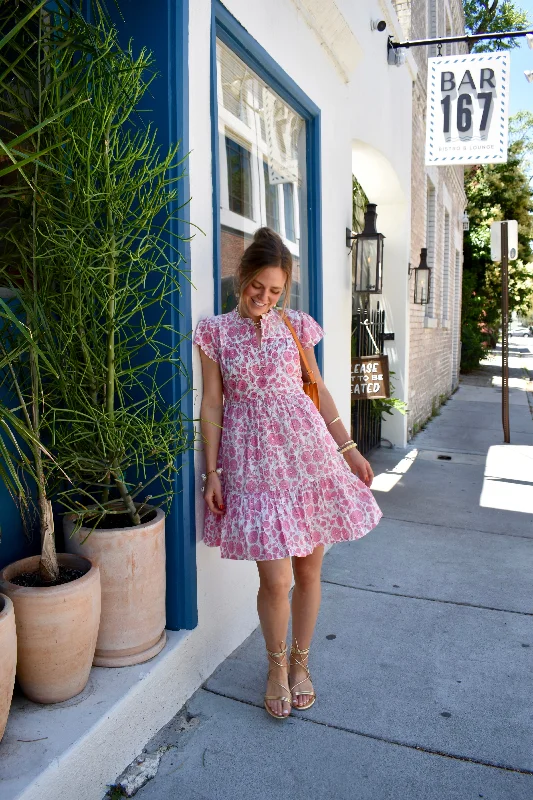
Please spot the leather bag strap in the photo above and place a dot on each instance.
(308, 369)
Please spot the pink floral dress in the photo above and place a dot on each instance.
(286, 489)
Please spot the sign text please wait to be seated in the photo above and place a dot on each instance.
(370, 377)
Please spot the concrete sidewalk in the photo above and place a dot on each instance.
(422, 659)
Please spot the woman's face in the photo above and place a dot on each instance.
(263, 292)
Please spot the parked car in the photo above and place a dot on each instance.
(521, 332)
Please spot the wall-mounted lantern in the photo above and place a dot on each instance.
(368, 254)
(422, 279)
(466, 222)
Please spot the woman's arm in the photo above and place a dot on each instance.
(357, 463)
(211, 413)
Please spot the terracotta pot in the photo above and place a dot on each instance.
(8, 658)
(132, 567)
(57, 628)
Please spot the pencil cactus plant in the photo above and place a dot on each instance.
(91, 270)
(33, 103)
(114, 430)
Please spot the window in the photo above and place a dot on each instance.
(239, 178)
(288, 208)
(262, 172)
(431, 213)
(432, 26)
(446, 270)
(450, 46)
(271, 201)
(456, 317)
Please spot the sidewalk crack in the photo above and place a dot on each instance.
(429, 599)
(384, 739)
(457, 528)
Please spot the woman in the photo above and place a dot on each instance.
(282, 480)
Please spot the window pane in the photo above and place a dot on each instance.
(239, 178)
(271, 201)
(262, 151)
(288, 202)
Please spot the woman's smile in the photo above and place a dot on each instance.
(263, 292)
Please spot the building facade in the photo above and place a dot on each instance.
(278, 105)
(438, 203)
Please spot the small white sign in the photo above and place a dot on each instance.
(467, 112)
(496, 240)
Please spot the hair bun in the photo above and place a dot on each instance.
(263, 235)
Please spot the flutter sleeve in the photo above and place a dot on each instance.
(310, 332)
(207, 337)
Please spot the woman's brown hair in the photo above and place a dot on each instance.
(266, 250)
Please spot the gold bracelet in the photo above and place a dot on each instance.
(332, 421)
(350, 447)
(341, 446)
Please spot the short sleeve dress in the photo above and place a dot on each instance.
(286, 488)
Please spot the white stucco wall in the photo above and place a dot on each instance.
(366, 125)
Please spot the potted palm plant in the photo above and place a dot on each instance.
(56, 599)
(111, 314)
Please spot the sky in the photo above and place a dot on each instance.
(521, 93)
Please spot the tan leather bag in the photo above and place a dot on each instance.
(310, 386)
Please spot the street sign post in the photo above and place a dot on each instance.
(505, 333)
(504, 247)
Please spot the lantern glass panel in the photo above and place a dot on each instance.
(367, 265)
(422, 275)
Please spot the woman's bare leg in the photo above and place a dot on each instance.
(275, 578)
(305, 606)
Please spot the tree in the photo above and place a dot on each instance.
(493, 16)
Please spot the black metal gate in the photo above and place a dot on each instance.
(366, 423)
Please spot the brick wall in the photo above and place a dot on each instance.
(437, 205)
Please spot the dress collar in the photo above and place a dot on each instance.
(267, 320)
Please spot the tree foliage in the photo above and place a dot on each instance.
(494, 16)
(496, 192)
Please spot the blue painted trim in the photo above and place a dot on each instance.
(182, 609)
(314, 228)
(165, 32)
(215, 144)
(232, 33)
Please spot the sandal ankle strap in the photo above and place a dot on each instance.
(277, 655)
(282, 656)
(296, 649)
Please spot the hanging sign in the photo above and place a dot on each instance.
(370, 377)
(467, 113)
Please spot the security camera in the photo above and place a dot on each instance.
(378, 25)
(529, 75)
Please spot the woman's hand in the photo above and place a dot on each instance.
(360, 466)
(213, 494)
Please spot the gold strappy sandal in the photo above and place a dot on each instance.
(282, 655)
(296, 654)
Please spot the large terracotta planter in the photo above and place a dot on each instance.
(8, 658)
(132, 567)
(57, 628)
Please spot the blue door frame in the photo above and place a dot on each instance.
(226, 28)
(163, 28)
